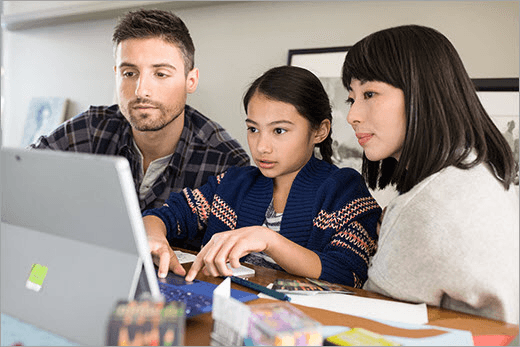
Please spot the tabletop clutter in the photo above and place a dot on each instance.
(148, 323)
(278, 323)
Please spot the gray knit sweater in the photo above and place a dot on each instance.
(452, 241)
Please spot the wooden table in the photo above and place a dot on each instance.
(198, 329)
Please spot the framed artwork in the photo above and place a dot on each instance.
(44, 115)
(500, 97)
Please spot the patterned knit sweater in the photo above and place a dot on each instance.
(329, 211)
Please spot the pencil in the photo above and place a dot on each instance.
(261, 289)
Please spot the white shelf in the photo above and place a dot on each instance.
(39, 13)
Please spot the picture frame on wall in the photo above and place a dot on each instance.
(499, 96)
(43, 116)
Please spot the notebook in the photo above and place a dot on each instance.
(72, 241)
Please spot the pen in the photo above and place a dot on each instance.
(261, 289)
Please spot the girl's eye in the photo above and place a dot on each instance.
(349, 102)
(279, 131)
(252, 129)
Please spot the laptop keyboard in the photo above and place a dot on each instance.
(196, 303)
(197, 295)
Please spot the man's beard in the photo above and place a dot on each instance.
(142, 120)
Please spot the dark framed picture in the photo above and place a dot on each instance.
(500, 97)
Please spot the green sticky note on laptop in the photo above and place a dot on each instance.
(36, 277)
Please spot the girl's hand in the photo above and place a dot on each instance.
(230, 246)
(162, 254)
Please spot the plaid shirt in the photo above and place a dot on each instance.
(205, 149)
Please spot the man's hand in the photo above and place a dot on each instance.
(162, 254)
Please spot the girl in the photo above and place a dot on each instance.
(450, 238)
(293, 210)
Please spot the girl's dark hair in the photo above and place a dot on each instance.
(445, 119)
(302, 89)
(157, 23)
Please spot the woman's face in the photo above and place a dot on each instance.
(377, 115)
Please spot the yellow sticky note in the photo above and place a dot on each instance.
(36, 277)
(360, 337)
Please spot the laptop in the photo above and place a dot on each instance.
(73, 242)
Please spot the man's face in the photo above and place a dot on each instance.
(151, 82)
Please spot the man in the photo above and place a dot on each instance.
(168, 144)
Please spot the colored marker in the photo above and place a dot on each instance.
(275, 294)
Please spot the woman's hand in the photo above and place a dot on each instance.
(230, 246)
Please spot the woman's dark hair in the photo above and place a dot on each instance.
(166, 25)
(445, 119)
(302, 89)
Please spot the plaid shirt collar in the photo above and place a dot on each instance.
(175, 166)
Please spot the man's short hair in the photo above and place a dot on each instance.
(143, 23)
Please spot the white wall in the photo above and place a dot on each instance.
(237, 42)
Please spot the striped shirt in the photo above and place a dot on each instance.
(272, 221)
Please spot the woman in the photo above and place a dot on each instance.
(292, 211)
(450, 238)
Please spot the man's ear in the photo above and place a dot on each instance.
(192, 80)
(323, 131)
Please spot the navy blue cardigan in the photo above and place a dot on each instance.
(329, 211)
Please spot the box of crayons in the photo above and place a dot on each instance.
(281, 324)
(269, 324)
(146, 323)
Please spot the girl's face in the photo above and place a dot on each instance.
(377, 114)
(281, 140)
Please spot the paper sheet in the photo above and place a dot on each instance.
(224, 304)
(364, 307)
(15, 331)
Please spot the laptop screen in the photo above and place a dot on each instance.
(72, 240)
